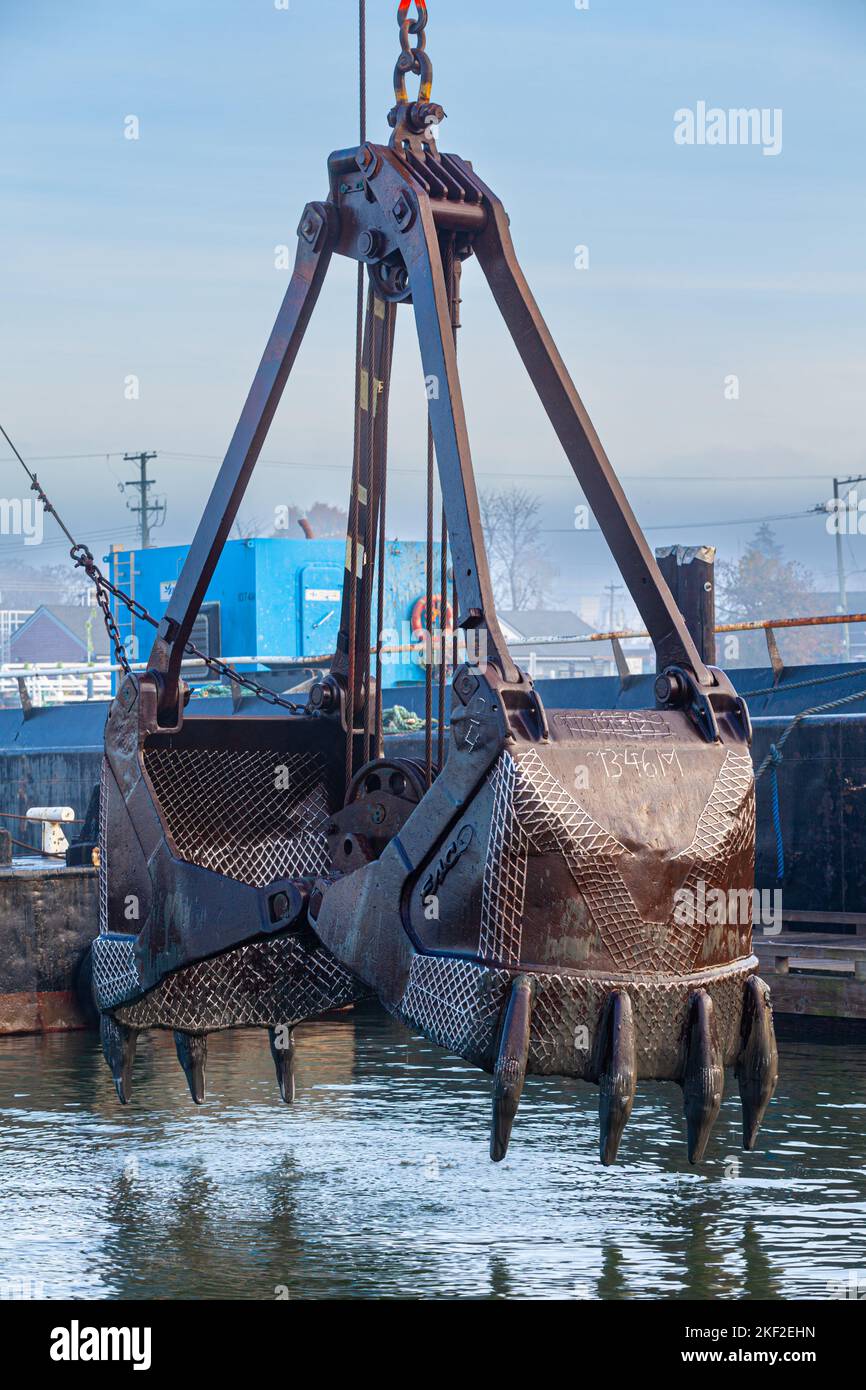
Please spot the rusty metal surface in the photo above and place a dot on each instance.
(262, 985)
(533, 875)
(458, 1004)
(634, 918)
(46, 927)
(254, 814)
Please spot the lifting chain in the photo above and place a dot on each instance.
(415, 60)
(83, 557)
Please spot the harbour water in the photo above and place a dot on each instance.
(377, 1181)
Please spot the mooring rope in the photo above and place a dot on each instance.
(428, 621)
(805, 714)
(775, 759)
(803, 685)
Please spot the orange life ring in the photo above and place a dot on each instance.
(419, 614)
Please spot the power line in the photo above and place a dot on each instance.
(684, 525)
(51, 458)
(146, 509)
(528, 477)
(93, 536)
(690, 478)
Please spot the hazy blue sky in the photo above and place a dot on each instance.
(156, 256)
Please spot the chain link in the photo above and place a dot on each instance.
(83, 557)
(409, 26)
(415, 60)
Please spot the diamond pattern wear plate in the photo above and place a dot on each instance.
(254, 815)
(284, 979)
(115, 979)
(554, 821)
(457, 1004)
(532, 809)
(504, 884)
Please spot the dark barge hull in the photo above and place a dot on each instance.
(48, 914)
(48, 917)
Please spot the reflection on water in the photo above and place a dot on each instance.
(377, 1181)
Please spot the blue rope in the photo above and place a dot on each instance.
(775, 759)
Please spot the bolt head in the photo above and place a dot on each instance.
(367, 161)
(466, 684)
(309, 227)
(321, 696)
(669, 690)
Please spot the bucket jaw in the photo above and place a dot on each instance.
(578, 905)
(210, 845)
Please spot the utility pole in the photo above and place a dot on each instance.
(838, 483)
(145, 508)
(612, 589)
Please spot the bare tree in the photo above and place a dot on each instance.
(512, 533)
(247, 529)
(23, 586)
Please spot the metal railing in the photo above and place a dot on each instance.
(61, 682)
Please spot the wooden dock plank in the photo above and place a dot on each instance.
(857, 920)
(815, 974)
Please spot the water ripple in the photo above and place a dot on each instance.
(377, 1182)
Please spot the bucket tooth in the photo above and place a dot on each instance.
(703, 1077)
(757, 1068)
(118, 1048)
(192, 1055)
(509, 1073)
(617, 1075)
(282, 1042)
